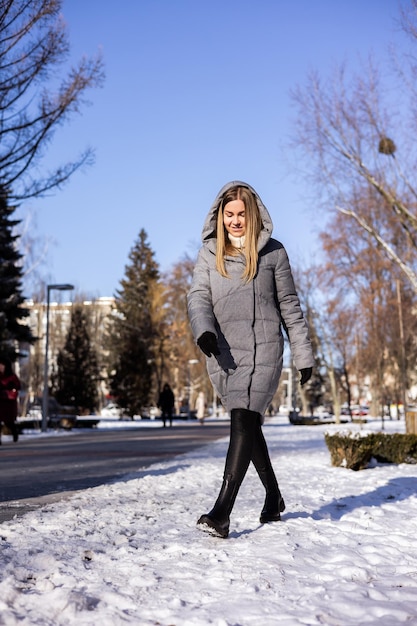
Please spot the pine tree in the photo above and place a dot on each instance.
(13, 330)
(78, 372)
(132, 332)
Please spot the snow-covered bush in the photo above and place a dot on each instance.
(355, 450)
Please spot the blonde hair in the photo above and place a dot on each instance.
(253, 225)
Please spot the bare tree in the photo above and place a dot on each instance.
(312, 394)
(33, 49)
(358, 135)
(362, 307)
(180, 348)
(34, 248)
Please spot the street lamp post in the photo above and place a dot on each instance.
(45, 396)
(402, 346)
(190, 363)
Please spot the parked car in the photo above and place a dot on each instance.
(356, 410)
(185, 413)
(111, 410)
(150, 413)
(35, 408)
(359, 410)
(322, 412)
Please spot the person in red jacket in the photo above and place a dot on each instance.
(9, 393)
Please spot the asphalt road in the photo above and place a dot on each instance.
(36, 471)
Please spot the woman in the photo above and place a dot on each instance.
(9, 388)
(242, 292)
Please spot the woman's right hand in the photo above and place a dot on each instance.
(208, 344)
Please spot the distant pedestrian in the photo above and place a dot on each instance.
(242, 294)
(9, 393)
(200, 407)
(166, 403)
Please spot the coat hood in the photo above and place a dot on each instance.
(210, 224)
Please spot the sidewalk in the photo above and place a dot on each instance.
(129, 553)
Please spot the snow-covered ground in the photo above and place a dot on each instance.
(345, 553)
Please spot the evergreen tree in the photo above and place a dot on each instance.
(13, 330)
(77, 366)
(132, 331)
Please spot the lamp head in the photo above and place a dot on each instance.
(61, 287)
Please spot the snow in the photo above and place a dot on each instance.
(130, 553)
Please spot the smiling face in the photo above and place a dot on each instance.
(234, 218)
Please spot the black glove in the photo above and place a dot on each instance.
(208, 343)
(305, 375)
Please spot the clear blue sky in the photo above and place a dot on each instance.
(196, 94)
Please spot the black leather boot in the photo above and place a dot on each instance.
(218, 520)
(239, 454)
(274, 503)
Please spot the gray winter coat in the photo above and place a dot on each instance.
(246, 317)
